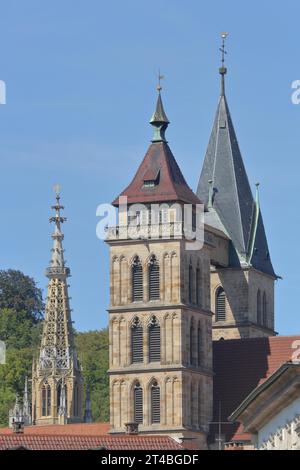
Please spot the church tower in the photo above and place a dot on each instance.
(56, 378)
(242, 292)
(160, 361)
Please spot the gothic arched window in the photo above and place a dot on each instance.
(155, 403)
(59, 396)
(192, 343)
(220, 304)
(138, 403)
(190, 283)
(264, 310)
(46, 399)
(75, 396)
(154, 284)
(154, 340)
(137, 280)
(136, 341)
(198, 286)
(199, 345)
(258, 307)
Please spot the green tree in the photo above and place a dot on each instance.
(21, 311)
(20, 293)
(92, 348)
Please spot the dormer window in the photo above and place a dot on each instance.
(151, 178)
(149, 184)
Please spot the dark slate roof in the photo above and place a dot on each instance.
(171, 185)
(239, 367)
(233, 200)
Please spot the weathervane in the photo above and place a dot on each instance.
(160, 77)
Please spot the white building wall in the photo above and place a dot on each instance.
(283, 431)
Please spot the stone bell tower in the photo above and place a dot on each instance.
(160, 363)
(56, 377)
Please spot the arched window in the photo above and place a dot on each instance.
(258, 308)
(154, 285)
(192, 343)
(58, 396)
(137, 280)
(46, 399)
(220, 304)
(154, 340)
(199, 345)
(138, 403)
(198, 286)
(155, 403)
(75, 404)
(264, 310)
(136, 341)
(190, 283)
(199, 405)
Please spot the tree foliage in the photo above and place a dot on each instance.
(21, 294)
(92, 349)
(21, 310)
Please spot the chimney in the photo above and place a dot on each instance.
(132, 428)
(18, 427)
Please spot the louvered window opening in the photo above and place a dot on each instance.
(199, 346)
(221, 305)
(137, 344)
(155, 404)
(192, 345)
(198, 287)
(138, 405)
(154, 287)
(154, 343)
(190, 284)
(137, 282)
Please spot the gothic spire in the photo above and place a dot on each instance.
(57, 371)
(224, 188)
(159, 118)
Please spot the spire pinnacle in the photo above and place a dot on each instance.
(257, 194)
(159, 118)
(223, 69)
(57, 263)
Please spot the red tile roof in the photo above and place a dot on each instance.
(159, 163)
(239, 366)
(82, 442)
(81, 429)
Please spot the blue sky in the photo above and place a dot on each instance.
(81, 80)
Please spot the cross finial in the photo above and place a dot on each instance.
(223, 69)
(222, 48)
(160, 77)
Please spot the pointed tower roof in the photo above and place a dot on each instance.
(158, 178)
(224, 188)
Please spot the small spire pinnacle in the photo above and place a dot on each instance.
(57, 263)
(223, 69)
(159, 118)
(257, 194)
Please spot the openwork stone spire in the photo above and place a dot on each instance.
(57, 362)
